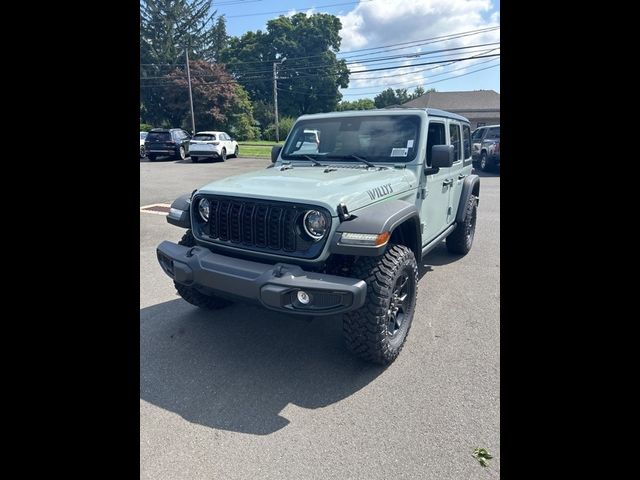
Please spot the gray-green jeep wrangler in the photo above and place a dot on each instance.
(337, 225)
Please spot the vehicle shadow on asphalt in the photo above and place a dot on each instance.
(438, 257)
(491, 173)
(237, 368)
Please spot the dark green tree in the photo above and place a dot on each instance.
(167, 28)
(360, 104)
(310, 77)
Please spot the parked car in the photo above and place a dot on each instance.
(215, 145)
(309, 142)
(173, 142)
(143, 152)
(486, 147)
(341, 231)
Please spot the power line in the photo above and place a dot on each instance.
(420, 42)
(431, 83)
(246, 75)
(287, 11)
(389, 76)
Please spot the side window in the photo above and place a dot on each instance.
(481, 124)
(466, 140)
(493, 134)
(178, 135)
(435, 136)
(454, 134)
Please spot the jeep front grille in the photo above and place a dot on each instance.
(273, 227)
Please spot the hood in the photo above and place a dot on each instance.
(355, 187)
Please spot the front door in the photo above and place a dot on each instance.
(436, 187)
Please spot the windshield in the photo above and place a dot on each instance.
(143, 135)
(477, 135)
(204, 137)
(382, 138)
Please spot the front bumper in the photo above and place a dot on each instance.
(273, 286)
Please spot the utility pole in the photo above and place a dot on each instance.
(275, 96)
(193, 121)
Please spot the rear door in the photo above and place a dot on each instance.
(461, 168)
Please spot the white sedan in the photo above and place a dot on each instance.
(215, 145)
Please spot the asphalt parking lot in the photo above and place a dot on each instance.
(245, 393)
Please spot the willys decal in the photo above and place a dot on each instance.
(380, 192)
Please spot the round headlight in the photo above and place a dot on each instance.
(203, 208)
(315, 224)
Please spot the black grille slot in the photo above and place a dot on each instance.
(213, 218)
(261, 226)
(275, 227)
(247, 224)
(288, 230)
(223, 220)
(234, 222)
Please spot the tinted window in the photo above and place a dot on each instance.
(380, 138)
(205, 137)
(159, 137)
(435, 136)
(454, 133)
(493, 133)
(466, 140)
(143, 135)
(477, 134)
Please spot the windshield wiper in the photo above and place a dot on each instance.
(315, 162)
(351, 155)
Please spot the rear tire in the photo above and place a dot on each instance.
(190, 294)
(377, 331)
(236, 152)
(223, 155)
(181, 154)
(461, 239)
(143, 152)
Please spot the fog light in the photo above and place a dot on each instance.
(303, 297)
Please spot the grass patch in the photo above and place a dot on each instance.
(256, 148)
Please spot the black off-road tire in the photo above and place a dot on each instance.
(461, 239)
(366, 330)
(190, 294)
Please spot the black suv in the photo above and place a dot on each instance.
(173, 142)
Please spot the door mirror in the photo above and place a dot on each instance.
(275, 151)
(441, 156)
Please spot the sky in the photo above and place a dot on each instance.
(375, 23)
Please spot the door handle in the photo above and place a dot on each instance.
(446, 183)
(460, 177)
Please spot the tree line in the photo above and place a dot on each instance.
(232, 77)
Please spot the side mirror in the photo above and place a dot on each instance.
(275, 151)
(441, 156)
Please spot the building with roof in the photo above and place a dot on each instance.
(481, 107)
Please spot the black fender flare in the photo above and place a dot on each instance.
(379, 218)
(179, 213)
(471, 186)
